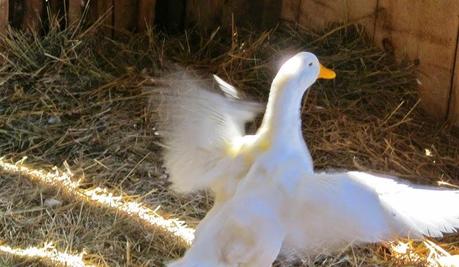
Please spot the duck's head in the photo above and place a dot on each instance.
(301, 71)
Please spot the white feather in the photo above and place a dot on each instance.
(227, 88)
(337, 209)
(198, 127)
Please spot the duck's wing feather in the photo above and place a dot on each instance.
(197, 126)
(226, 88)
(365, 207)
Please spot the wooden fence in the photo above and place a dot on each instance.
(423, 31)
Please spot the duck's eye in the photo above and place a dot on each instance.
(310, 64)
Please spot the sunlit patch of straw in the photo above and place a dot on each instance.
(48, 254)
(102, 197)
(427, 252)
(440, 257)
(400, 248)
(405, 251)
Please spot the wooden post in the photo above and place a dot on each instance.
(172, 13)
(204, 13)
(125, 15)
(290, 10)
(32, 15)
(90, 8)
(453, 112)
(105, 8)
(75, 10)
(3, 15)
(146, 12)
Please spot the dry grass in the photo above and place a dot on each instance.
(75, 100)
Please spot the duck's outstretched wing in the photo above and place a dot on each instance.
(364, 207)
(197, 126)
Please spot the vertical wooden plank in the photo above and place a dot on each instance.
(257, 14)
(205, 14)
(75, 10)
(170, 14)
(426, 32)
(290, 10)
(320, 13)
(16, 14)
(146, 14)
(330, 11)
(271, 13)
(90, 11)
(55, 7)
(4, 11)
(238, 12)
(55, 11)
(453, 105)
(125, 15)
(209, 14)
(32, 15)
(364, 13)
(105, 9)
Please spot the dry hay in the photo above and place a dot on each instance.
(74, 100)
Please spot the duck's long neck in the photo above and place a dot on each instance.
(282, 119)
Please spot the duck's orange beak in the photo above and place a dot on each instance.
(326, 73)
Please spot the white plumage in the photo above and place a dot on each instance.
(316, 214)
(201, 130)
(267, 194)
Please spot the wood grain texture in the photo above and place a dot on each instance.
(290, 10)
(453, 107)
(125, 15)
(4, 12)
(257, 14)
(105, 10)
(32, 15)
(146, 16)
(271, 13)
(318, 14)
(424, 31)
(206, 14)
(75, 10)
(363, 12)
(90, 11)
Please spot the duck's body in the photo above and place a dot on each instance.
(315, 214)
(267, 194)
(206, 145)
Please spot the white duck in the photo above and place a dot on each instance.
(267, 195)
(203, 131)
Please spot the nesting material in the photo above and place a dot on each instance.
(76, 100)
